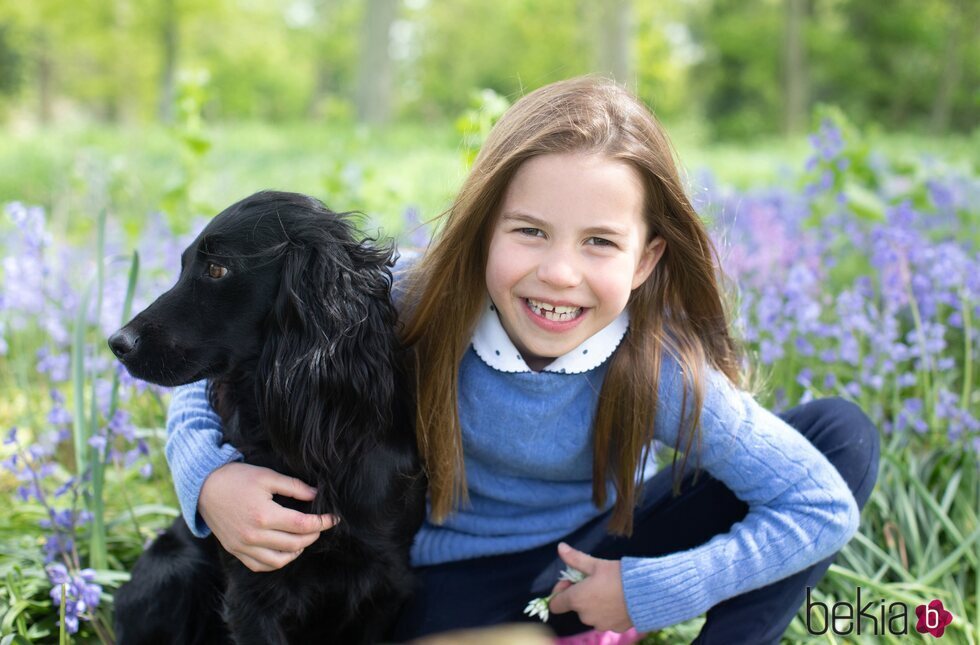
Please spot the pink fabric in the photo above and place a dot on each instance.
(601, 638)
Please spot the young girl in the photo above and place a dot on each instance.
(566, 315)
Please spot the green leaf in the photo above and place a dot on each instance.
(82, 431)
(952, 560)
(13, 612)
(14, 639)
(865, 204)
(155, 509)
(196, 143)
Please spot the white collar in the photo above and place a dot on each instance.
(494, 346)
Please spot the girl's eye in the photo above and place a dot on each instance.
(216, 271)
(533, 232)
(599, 241)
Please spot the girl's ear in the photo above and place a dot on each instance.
(648, 260)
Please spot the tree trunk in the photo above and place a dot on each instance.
(794, 68)
(322, 75)
(373, 99)
(942, 105)
(112, 101)
(169, 41)
(323, 67)
(615, 38)
(45, 79)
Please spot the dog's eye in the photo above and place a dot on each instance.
(216, 271)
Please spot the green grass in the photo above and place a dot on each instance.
(376, 171)
(379, 171)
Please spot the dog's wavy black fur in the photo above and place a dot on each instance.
(297, 340)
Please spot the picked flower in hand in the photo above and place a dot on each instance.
(539, 606)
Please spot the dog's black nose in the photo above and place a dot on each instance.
(123, 342)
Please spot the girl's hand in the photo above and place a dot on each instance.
(236, 503)
(598, 600)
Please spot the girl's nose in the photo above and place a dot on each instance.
(559, 271)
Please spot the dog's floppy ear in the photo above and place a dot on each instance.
(326, 379)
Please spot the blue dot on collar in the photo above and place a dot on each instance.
(497, 352)
(585, 351)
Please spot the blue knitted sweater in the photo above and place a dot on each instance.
(528, 459)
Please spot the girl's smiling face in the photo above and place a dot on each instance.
(568, 247)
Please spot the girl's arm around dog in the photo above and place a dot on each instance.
(233, 499)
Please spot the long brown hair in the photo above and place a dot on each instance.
(678, 309)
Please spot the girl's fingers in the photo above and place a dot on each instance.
(562, 602)
(560, 586)
(262, 560)
(280, 541)
(288, 486)
(250, 562)
(290, 521)
(577, 559)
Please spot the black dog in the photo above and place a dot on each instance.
(290, 319)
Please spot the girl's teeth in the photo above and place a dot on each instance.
(552, 312)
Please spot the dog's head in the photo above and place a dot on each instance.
(276, 273)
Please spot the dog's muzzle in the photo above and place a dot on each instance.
(123, 342)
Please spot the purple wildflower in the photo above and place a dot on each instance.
(82, 594)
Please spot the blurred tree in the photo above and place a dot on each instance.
(334, 51)
(615, 38)
(11, 63)
(260, 69)
(665, 51)
(795, 79)
(896, 49)
(960, 21)
(40, 29)
(169, 34)
(912, 65)
(373, 99)
(747, 67)
(101, 48)
(738, 77)
(509, 46)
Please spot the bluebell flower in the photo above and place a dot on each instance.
(805, 377)
(770, 352)
(55, 365)
(120, 425)
(82, 594)
(57, 545)
(59, 416)
(941, 195)
(57, 574)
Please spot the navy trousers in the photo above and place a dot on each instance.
(494, 590)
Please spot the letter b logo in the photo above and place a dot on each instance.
(933, 618)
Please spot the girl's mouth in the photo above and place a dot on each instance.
(553, 313)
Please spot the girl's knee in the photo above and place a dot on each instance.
(857, 427)
(839, 422)
(852, 443)
(849, 440)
